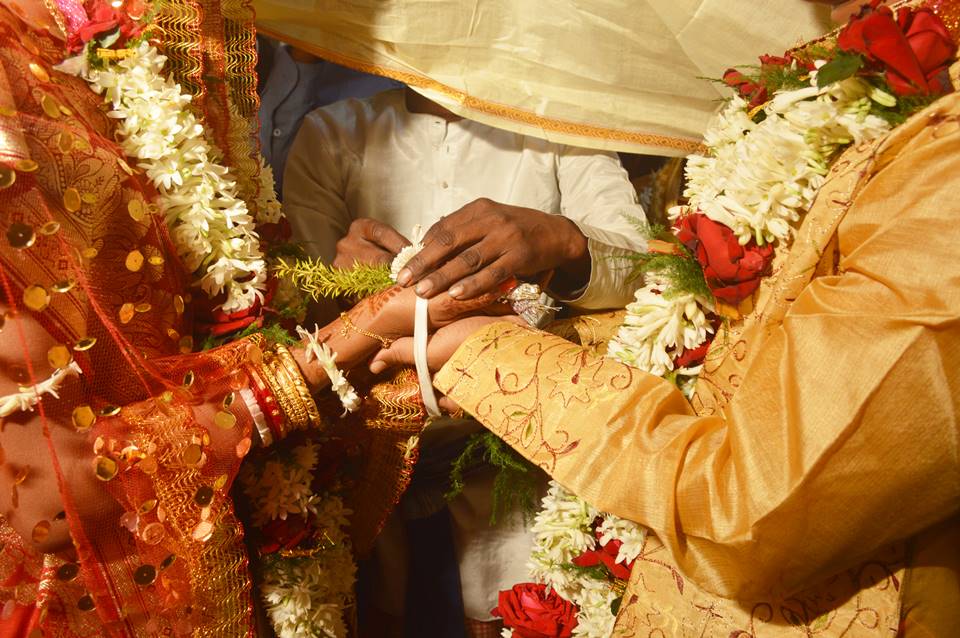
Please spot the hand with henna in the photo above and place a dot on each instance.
(440, 347)
(389, 315)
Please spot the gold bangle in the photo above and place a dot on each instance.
(275, 374)
(296, 378)
(291, 403)
(348, 325)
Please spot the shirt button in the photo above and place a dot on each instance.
(277, 132)
(444, 185)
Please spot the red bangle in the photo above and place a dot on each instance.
(267, 402)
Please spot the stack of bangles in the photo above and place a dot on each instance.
(281, 396)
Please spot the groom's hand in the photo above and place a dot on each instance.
(477, 248)
(368, 242)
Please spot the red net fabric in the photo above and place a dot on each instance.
(145, 536)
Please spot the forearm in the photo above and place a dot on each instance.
(724, 493)
(347, 339)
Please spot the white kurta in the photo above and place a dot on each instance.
(373, 158)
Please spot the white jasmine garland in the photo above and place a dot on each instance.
(278, 489)
(327, 359)
(561, 533)
(759, 177)
(631, 536)
(594, 618)
(658, 327)
(308, 596)
(210, 225)
(408, 252)
(304, 596)
(563, 529)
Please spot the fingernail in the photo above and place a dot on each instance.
(404, 277)
(456, 291)
(424, 287)
(377, 367)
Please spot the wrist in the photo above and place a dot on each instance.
(575, 248)
(573, 273)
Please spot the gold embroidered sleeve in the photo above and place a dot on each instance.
(841, 436)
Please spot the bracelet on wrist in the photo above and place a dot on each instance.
(348, 325)
(327, 360)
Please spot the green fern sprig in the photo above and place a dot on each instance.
(682, 269)
(515, 485)
(320, 280)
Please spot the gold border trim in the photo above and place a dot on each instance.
(502, 111)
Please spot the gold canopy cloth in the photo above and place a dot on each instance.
(812, 485)
(622, 76)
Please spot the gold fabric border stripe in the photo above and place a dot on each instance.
(492, 108)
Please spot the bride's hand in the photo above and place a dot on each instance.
(391, 312)
(387, 315)
(440, 347)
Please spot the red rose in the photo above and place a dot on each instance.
(912, 49)
(753, 92)
(283, 533)
(608, 556)
(732, 271)
(216, 322)
(103, 18)
(276, 233)
(212, 320)
(532, 613)
(693, 357)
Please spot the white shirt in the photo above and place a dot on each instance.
(373, 158)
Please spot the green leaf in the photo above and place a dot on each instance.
(615, 605)
(840, 68)
(108, 40)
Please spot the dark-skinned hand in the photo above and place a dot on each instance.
(368, 242)
(472, 251)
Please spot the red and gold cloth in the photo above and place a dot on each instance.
(149, 543)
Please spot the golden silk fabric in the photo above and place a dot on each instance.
(821, 452)
(625, 76)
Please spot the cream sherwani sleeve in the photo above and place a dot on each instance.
(842, 436)
(597, 196)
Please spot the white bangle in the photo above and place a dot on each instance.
(259, 420)
(420, 333)
(327, 359)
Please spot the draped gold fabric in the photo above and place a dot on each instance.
(625, 76)
(820, 455)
